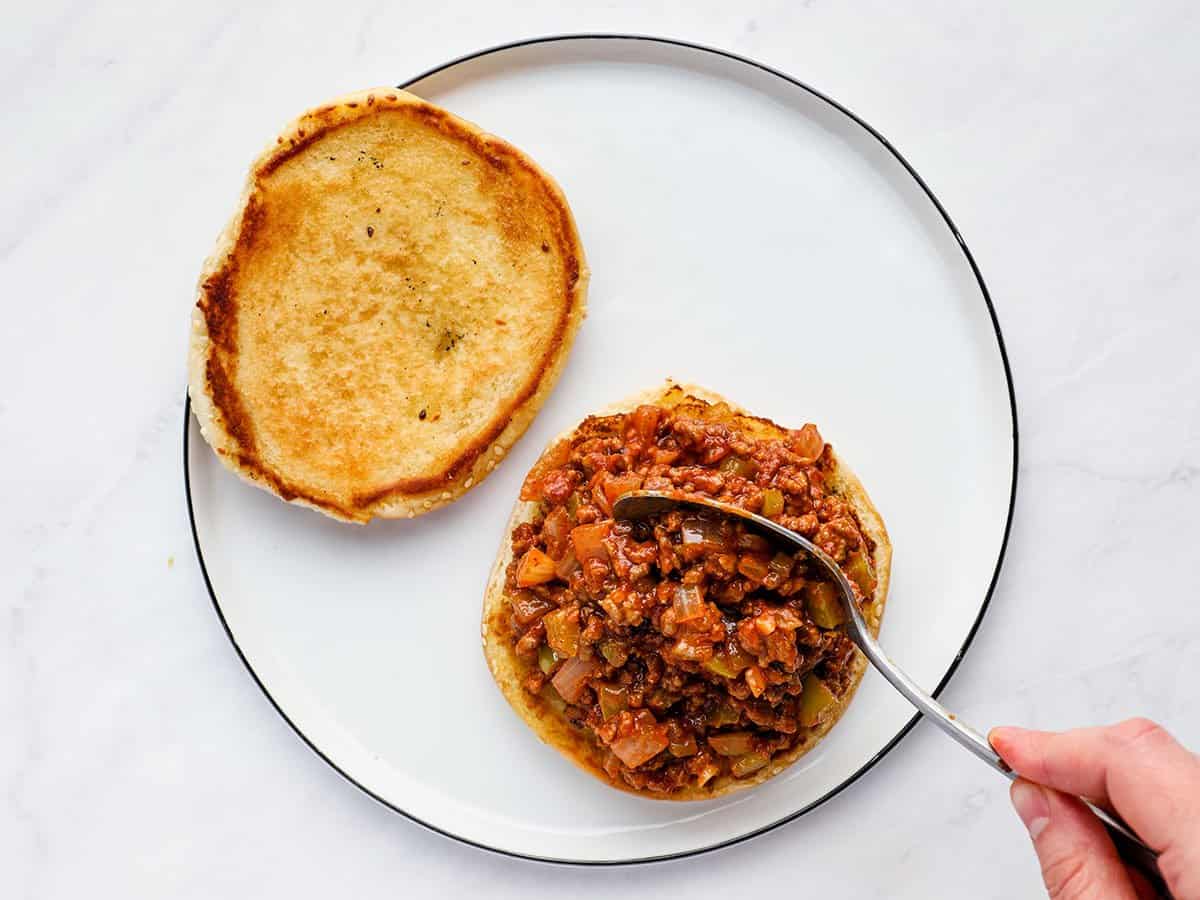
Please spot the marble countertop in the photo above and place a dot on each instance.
(138, 757)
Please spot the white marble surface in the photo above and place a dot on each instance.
(138, 759)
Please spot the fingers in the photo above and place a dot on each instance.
(1135, 767)
(1142, 887)
(1078, 860)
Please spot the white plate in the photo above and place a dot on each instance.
(763, 242)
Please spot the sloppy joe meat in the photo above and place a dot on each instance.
(687, 646)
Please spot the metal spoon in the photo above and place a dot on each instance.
(642, 504)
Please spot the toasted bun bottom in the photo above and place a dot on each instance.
(547, 723)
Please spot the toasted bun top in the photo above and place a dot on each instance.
(543, 713)
(386, 311)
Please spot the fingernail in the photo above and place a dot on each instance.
(1002, 737)
(1031, 805)
(995, 738)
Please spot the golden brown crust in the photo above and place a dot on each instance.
(508, 206)
(510, 671)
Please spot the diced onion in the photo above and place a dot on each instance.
(689, 603)
(572, 678)
(701, 532)
(617, 485)
(807, 442)
(535, 568)
(755, 680)
(753, 566)
(685, 649)
(755, 543)
(588, 541)
(699, 536)
(707, 773)
(641, 746)
(566, 566)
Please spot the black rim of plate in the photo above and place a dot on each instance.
(1012, 401)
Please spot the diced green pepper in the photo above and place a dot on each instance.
(780, 565)
(748, 763)
(719, 665)
(724, 714)
(816, 702)
(613, 699)
(546, 659)
(859, 570)
(614, 653)
(552, 699)
(727, 665)
(823, 604)
(772, 502)
(737, 465)
(685, 746)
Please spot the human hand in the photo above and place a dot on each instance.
(1136, 769)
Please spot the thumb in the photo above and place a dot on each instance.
(1078, 860)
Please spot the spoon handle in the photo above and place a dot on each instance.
(963, 733)
(1131, 848)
